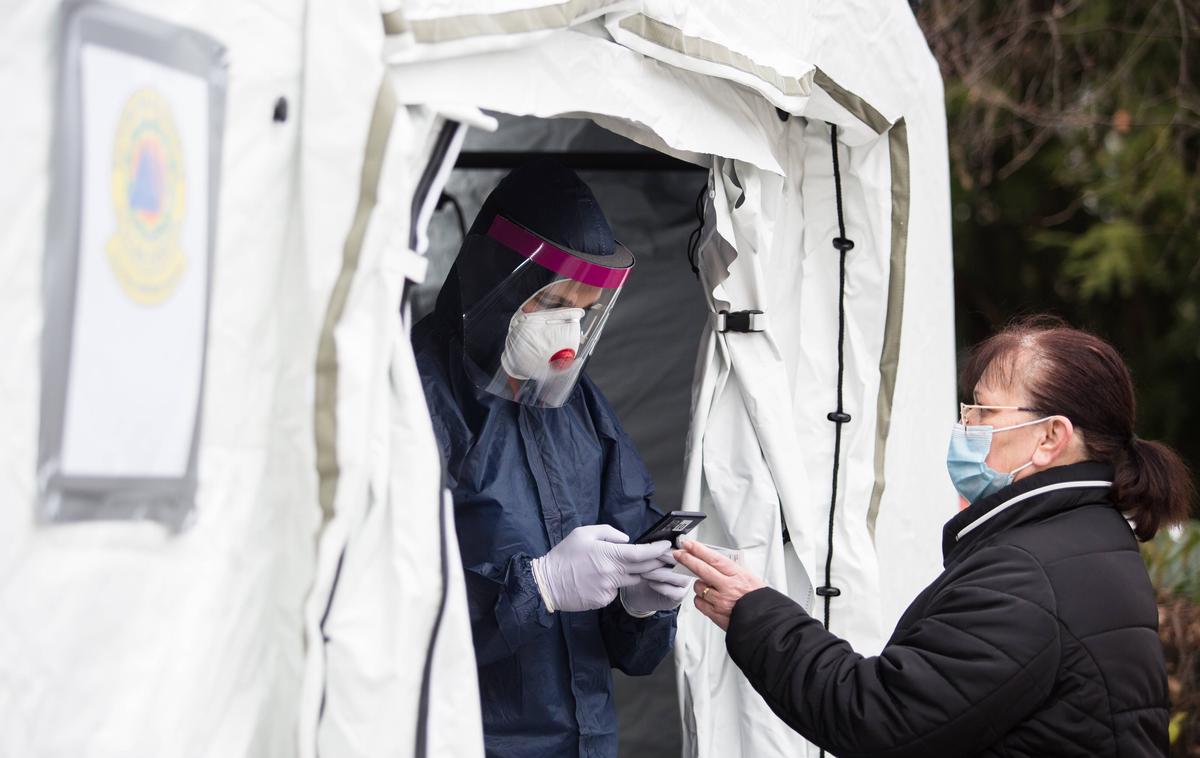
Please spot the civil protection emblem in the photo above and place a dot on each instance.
(148, 194)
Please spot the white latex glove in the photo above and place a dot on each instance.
(587, 569)
(659, 590)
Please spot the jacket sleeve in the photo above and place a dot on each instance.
(505, 607)
(952, 682)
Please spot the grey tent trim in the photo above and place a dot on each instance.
(563, 15)
(672, 38)
(889, 358)
(450, 28)
(859, 108)
(325, 410)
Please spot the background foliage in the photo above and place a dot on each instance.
(1075, 147)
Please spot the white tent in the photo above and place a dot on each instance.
(314, 604)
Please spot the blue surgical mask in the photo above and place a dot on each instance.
(966, 460)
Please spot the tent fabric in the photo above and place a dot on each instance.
(118, 638)
(429, 29)
(760, 447)
(390, 667)
(658, 106)
(239, 607)
(808, 57)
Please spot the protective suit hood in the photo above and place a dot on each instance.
(544, 196)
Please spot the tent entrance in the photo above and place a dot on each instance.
(644, 364)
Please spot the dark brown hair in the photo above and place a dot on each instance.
(1072, 373)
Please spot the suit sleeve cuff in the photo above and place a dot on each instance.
(520, 610)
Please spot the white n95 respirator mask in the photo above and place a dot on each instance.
(543, 343)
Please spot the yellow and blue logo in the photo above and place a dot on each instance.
(148, 195)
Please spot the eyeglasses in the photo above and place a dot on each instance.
(969, 413)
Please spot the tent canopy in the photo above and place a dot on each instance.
(316, 599)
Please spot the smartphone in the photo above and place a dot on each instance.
(671, 527)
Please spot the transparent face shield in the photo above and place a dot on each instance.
(529, 338)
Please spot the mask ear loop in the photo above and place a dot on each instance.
(1021, 468)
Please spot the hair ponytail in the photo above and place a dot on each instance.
(1152, 487)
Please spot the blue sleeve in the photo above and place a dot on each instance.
(505, 607)
(635, 646)
(503, 602)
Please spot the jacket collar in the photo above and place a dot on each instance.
(1034, 498)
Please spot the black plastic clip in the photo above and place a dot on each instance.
(841, 244)
(838, 417)
(828, 591)
(741, 321)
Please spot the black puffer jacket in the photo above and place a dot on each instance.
(1039, 639)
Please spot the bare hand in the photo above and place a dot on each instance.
(720, 582)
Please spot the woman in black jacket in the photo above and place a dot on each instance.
(1040, 638)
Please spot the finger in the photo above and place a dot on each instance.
(627, 580)
(675, 594)
(705, 607)
(648, 551)
(701, 569)
(711, 557)
(607, 533)
(642, 567)
(667, 575)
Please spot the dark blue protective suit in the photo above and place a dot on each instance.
(522, 478)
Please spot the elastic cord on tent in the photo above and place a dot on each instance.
(839, 417)
(843, 245)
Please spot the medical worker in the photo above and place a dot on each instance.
(548, 489)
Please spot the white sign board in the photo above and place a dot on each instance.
(137, 347)
(137, 152)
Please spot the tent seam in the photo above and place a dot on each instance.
(523, 20)
(855, 105)
(326, 391)
(673, 38)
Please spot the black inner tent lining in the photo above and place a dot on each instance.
(614, 160)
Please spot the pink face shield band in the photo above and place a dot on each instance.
(547, 255)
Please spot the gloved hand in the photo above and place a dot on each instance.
(660, 589)
(586, 570)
